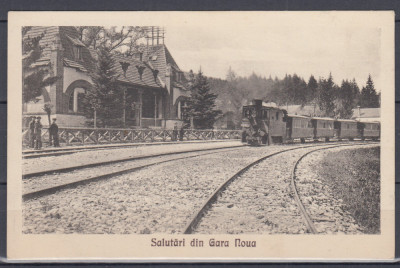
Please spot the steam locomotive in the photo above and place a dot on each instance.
(264, 124)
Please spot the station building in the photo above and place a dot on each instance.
(155, 83)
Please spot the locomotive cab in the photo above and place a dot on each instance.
(263, 124)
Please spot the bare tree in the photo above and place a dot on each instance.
(123, 39)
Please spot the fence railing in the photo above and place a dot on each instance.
(80, 136)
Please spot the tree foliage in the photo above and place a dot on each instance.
(105, 96)
(35, 77)
(346, 99)
(327, 96)
(202, 103)
(119, 40)
(369, 97)
(332, 100)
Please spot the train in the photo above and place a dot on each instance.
(263, 124)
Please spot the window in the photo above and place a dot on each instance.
(148, 105)
(277, 116)
(180, 113)
(71, 102)
(76, 100)
(80, 96)
(324, 126)
(77, 52)
(265, 116)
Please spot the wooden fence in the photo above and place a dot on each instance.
(80, 136)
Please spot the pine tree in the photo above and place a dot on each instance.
(35, 77)
(327, 91)
(312, 89)
(202, 103)
(346, 99)
(369, 98)
(105, 96)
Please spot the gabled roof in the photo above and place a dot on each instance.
(307, 110)
(299, 116)
(68, 37)
(159, 57)
(346, 120)
(132, 75)
(323, 118)
(367, 113)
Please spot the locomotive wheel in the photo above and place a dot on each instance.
(264, 139)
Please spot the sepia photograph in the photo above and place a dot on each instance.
(226, 131)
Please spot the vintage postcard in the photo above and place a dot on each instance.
(201, 136)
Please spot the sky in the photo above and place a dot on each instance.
(279, 45)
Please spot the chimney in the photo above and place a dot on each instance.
(359, 111)
(138, 56)
(257, 102)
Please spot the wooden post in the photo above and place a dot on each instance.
(155, 109)
(124, 110)
(95, 117)
(139, 117)
(191, 122)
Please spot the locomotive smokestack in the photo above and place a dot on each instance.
(257, 102)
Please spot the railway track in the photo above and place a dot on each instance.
(160, 159)
(213, 199)
(102, 163)
(76, 149)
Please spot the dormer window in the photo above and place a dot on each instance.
(140, 70)
(78, 52)
(177, 76)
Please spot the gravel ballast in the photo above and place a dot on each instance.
(158, 199)
(89, 157)
(261, 200)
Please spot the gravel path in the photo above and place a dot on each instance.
(160, 199)
(261, 201)
(87, 157)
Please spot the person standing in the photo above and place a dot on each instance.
(53, 133)
(38, 133)
(32, 132)
(175, 132)
(181, 133)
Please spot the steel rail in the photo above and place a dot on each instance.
(191, 226)
(96, 164)
(306, 216)
(77, 149)
(56, 188)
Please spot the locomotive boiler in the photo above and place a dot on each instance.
(263, 124)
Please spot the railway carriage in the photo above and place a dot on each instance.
(346, 129)
(369, 130)
(299, 127)
(266, 124)
(323, 128)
